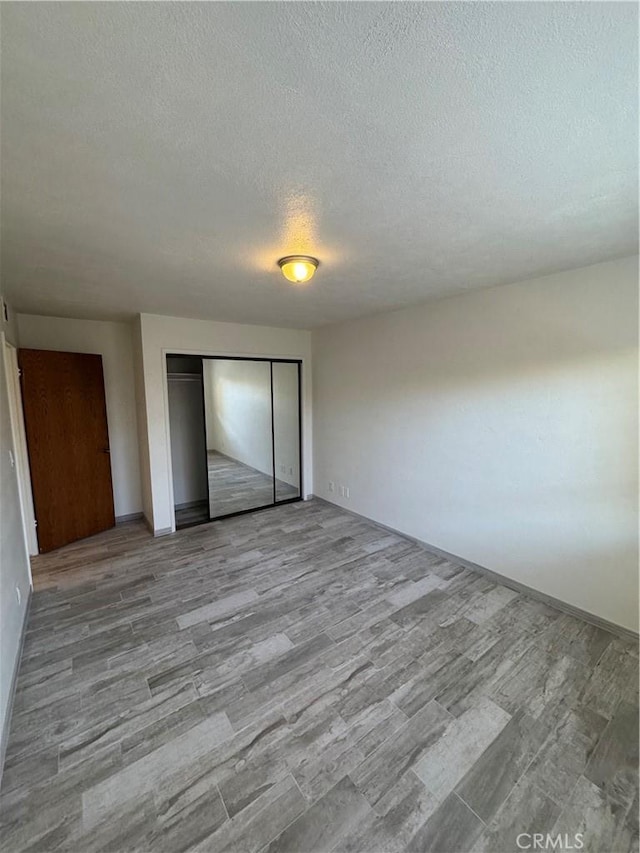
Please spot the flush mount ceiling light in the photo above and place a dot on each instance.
(298, 268)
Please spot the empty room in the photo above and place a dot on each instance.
(319, 427)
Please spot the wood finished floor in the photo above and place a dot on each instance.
(301, 680)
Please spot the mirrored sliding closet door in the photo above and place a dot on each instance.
(239, 423)
(237, 397)
(286, 430)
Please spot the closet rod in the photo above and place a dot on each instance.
(184, 377)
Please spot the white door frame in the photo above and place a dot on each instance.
(19, 436)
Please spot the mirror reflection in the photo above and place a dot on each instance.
(237, 404)
(286, 430)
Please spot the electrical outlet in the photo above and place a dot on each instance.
(18, 595)
(341, 491)
(346, 492)
(332, 486)
(290, 470)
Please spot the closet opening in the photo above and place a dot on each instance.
(236, 435)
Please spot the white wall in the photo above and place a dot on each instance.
(238, 411)
(19, 436)
(141, 421)
(113, 341)
(162, 335)
(500, 426)
(15, 572)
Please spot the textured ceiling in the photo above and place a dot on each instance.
(160, 157)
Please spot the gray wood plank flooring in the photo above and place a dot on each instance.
(298, 679)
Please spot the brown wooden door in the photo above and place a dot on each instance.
(66, 424)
